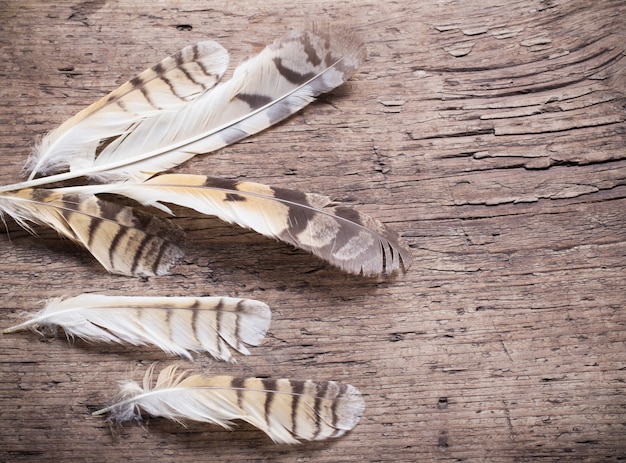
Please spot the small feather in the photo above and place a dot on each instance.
(123, 239)
(164, 87)
(177, 325)
(286, 410)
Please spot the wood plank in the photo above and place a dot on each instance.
(490, 135)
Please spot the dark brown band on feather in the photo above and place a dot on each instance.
(297, 388)
(292, 76)
(238, 384)
(310, 51)
(317, 407)
(254, 100)
(268, 385)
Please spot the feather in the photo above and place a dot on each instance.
(123, 239)
(286, 410)
(285, 77)
(177, 325)
(340, 235)
(264, 90)
(165, 87)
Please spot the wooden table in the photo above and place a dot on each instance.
(490, 134)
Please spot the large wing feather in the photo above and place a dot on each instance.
(346, 238)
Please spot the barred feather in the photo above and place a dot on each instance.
(281, 80)
(342, 236)
(124, 240)
(164, 87)
(177, 325)
(286, 410)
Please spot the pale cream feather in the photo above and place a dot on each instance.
(163, 88)
(177, 325)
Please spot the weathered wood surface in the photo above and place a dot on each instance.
(490, 134)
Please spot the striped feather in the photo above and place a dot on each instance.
(286, 410)
(123, 239)
(177, 325)
(163, 88)
(282, 79)
(340, 235)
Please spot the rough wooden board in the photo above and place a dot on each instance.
(490, 135)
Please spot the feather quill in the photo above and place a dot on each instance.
(340, 235)
(286, 410)
(177, 325)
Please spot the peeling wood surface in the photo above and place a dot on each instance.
(491, 136)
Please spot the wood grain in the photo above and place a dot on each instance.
(490, 134)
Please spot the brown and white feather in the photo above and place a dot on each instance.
(165, 87)
(124, 240)
(342, 236)
(288, 411)
(177, 325)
